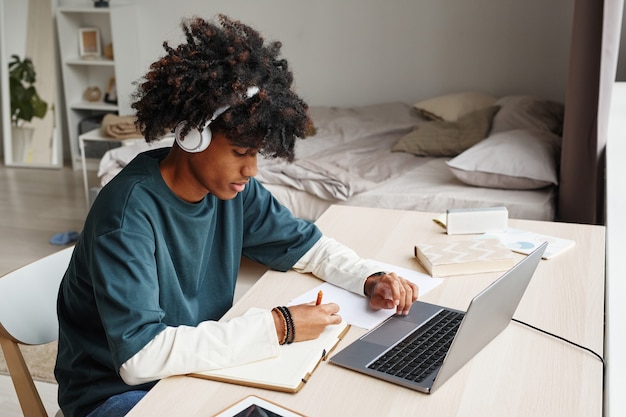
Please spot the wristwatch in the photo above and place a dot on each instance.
(375, 274)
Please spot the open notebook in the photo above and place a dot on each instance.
(288, 371)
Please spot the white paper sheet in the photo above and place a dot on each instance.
(355, 309)
(525, 242)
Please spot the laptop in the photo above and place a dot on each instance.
(423, 349)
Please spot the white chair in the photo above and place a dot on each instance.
(28, 316)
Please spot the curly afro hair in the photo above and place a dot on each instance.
(214, 68)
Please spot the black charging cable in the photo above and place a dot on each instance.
(562, 338)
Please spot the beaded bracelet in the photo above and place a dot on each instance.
(280, 313)
(293, 325)
(291, 328)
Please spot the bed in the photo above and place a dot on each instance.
(456, 151)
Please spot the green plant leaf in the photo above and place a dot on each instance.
(25, 101)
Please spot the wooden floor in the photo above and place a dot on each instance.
(35, 205)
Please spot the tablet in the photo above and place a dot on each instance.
(253, 406)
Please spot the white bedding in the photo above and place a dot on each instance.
(349, 162)
(429, 186)
(115, 159)
(349, 154)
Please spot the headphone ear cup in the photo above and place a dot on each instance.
(195, 140)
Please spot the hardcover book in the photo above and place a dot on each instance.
(461, 257)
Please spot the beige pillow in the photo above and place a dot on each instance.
(441, 138)
(451, 107)
(517, 159)
(528, 112)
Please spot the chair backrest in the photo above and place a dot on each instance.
(28, 316)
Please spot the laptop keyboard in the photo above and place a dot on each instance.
(421, 352)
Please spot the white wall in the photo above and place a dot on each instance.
(621, 59)
(615, 380)
(364, 51)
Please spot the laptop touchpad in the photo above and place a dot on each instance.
(393, 330)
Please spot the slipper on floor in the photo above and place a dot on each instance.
(64, 238)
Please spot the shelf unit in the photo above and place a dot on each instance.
(116, 25)
(95, 136)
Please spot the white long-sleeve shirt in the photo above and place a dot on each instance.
(183, 349)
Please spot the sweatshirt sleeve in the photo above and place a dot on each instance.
(214, 345)
(337, 264)
(210, 345)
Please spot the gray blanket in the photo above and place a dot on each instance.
(350, 152)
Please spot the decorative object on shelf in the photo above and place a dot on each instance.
(92, 93)
(89, 43)
(110, 96)
(100, 3)
(25, 104)
(108, 51)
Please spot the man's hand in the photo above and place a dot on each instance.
(388, 290)
(309, 320)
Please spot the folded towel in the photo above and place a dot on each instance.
(120, 127)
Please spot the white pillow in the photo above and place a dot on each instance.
(517, 159)
(451, 107)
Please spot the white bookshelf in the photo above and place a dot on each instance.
(116, 25)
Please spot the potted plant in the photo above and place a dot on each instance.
(25, 103)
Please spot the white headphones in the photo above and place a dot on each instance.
(198, 140)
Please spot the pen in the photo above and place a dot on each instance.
(319, 298)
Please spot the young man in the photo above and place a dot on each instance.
(156, 263)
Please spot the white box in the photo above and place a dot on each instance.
(476, 220)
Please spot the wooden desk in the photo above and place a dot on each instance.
(521, 373)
